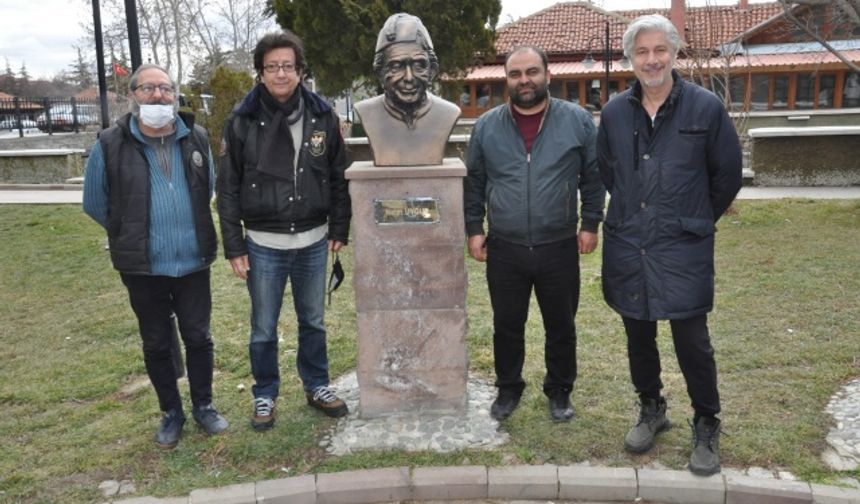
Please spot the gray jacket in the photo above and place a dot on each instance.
(531, 199)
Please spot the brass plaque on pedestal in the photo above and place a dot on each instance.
(406, 211)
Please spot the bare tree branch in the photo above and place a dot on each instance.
(789, 15)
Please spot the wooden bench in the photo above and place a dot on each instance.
(811, 156)
(40, 166)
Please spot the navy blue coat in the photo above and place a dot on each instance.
(668, 187)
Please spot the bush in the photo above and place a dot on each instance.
(228, 87)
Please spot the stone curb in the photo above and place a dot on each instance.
(545, 482)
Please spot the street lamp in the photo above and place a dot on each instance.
(588, 62)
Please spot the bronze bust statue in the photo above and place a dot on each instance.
(407, 125)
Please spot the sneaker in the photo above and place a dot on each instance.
(560, 408)
(170, 429)
(505, 404)
(705, 459)
(652, 421)
(325, 400)
(209, 419)
(264, 414)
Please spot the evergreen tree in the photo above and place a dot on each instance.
(340, 37)
(23, 80)
(79, 71)
(8, 81)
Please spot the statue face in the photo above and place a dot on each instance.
(406, 74)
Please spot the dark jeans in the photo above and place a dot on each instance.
(153, 299)
(553, 271)
(305, 268)
(695, 357)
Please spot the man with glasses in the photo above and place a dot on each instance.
(284, 204)
(148, 182)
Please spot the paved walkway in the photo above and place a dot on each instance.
(71, 193)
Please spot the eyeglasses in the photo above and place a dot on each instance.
(149, 89)
(288, 68)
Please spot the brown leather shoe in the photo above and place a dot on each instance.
(264, 414)
(325, 400)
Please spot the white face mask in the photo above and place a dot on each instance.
(156, 116)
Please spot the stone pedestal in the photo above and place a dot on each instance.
(410, 287)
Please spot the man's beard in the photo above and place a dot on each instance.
(538, 96)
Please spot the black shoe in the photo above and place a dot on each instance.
(560, 408)
(652, 421)
(705, 459)
(170, 429)
(209, 419)
(505, 404)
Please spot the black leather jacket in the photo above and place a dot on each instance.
(318, 193)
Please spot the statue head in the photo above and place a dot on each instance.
(405, 62)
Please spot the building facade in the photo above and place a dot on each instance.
(749, 54)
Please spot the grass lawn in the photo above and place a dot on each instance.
(74, 413)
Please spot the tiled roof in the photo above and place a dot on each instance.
(567, 27)
(771, 62)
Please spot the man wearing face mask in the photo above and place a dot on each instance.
(148, 182)
(526, 161)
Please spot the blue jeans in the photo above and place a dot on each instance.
(269, 271)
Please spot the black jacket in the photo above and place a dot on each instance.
(261, 202)
(531, 198)
(668, 187)
(129, 199)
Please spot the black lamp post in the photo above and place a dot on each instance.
(607, 59)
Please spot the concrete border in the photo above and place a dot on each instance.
(546, 482)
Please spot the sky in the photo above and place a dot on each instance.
(41, 33)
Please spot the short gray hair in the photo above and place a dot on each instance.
(651, 22)
(132, 82)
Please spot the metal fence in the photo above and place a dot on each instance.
(51, 115)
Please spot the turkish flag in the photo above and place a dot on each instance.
(119, 70)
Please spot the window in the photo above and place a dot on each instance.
(826, 88)
(497, 93)
(780, 92)
(737, 92)
(804, 96)
(466, 97)
(760, 92)
(718, 86)
(613, 89)
(572, 91)
(555, 88)
(851, 90)
(592, 101)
